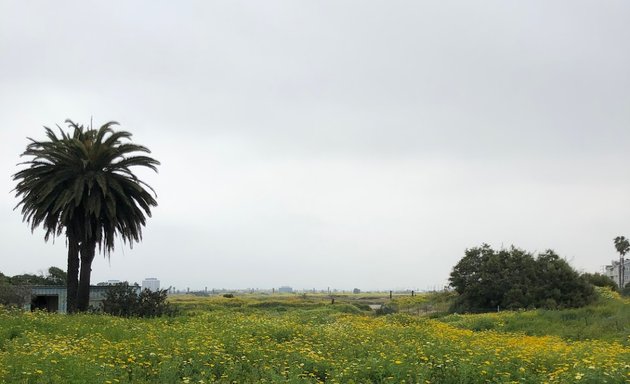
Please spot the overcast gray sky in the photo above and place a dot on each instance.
(333, 143)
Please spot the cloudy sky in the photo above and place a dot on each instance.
(333, 144)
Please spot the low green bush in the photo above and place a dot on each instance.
(128, 301)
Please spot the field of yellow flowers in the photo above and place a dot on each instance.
(228, 342)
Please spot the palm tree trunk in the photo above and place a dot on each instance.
(72, 283)
(88, 249)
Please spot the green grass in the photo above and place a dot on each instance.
(608, 319)
(297, 339)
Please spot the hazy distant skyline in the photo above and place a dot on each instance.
(333, 144)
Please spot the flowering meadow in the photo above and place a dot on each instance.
(239, 341)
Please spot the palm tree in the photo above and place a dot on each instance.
(623, 246)
(42, 187)
(82, 183)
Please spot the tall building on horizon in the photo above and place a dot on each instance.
(151, 283)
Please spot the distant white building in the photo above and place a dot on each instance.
(151, 283)
(612, 271)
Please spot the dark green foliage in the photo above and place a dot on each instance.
(28, 279)
(14, 295)
(121, 299)
(599, 280)
(55, 276)
(489, 280)
(153, 304)
(81, 183)
(228, 295)
(128, 301)
(622, 245)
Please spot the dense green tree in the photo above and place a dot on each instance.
(154, 303)
(14, 295)
(57, 276)
(121, 299)
(486, 279)
(81, 182)
(559, 285)
(599, 280)
(28, 279)
(127, 300)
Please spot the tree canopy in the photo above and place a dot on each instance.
(54, 276)
(127, 300)
(15, 290)
(512, 278)
(599, 280)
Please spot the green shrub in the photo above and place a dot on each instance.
(126, 301)
(486, 280)
(599, 280)
(153, 304)
(12, 295)
(608, 319)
